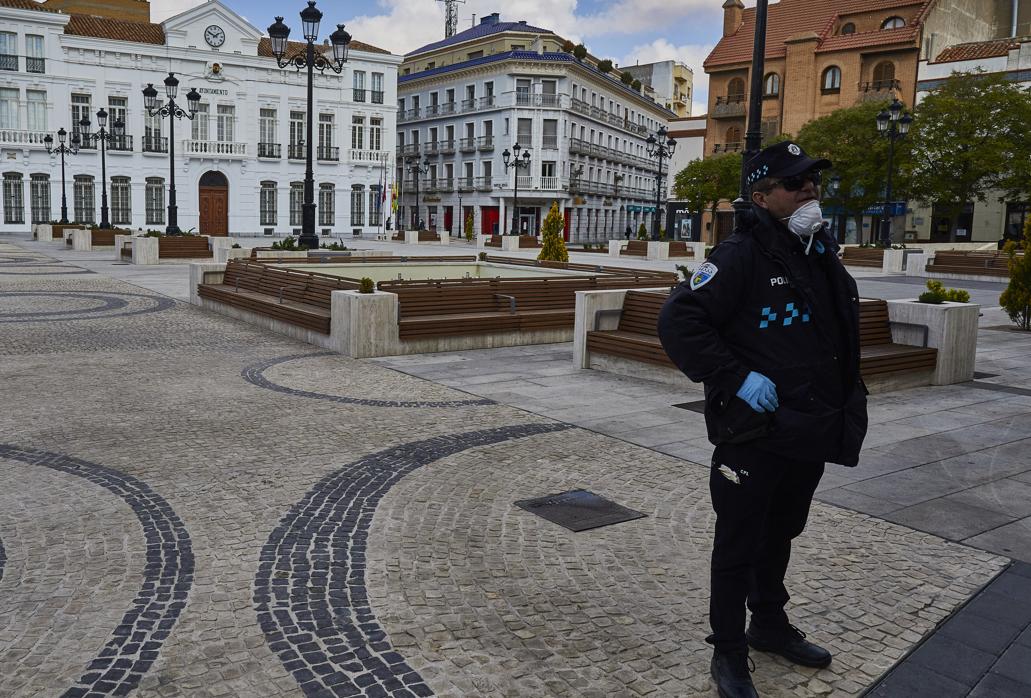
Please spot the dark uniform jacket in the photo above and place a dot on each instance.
(761, 304)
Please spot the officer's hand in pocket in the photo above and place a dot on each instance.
(759, 392)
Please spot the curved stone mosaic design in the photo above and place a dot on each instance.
(108, 301)
(310, 593)
(255, 374)
(167, 576)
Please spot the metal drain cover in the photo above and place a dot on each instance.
(578, 510)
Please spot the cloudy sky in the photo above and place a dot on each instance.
(627, 31)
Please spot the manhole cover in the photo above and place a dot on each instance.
(698, 406)
(578, 510)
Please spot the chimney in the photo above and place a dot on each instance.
(492, 18)
(733, 11)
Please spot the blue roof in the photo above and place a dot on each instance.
(480, 30)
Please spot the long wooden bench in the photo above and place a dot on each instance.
(481, 306)
(976, 263)
(126, 251)
(399, 236)
(428, 236)
(680, 249)
(863, 257)
(528, 242)
(495, 241)
(295, 297)
(636, 337)
(183, 247)
(635, 248)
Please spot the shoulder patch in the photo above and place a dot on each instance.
(703, 275)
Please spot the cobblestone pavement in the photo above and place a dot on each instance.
(351, 528)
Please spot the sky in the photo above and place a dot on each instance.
(626, 31)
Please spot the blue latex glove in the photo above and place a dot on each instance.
(759, 392)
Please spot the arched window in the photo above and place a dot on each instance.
(893, 23)
(848, 28)
(884, 75)
(771, 85)
(736, 90)
(831, 79)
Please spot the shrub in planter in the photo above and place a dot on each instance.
(1016, 299)
(470, 235)
(642, 232)
(482, 256)
(554, 247)
(937, 293)
(580, 52)
(366, 285)
(636, 84)
(287, 243)
(626, 78)
(605, 66)
(236, 246)
(568, 46)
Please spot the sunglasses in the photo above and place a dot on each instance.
(799, 181)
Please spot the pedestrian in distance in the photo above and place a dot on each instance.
(628, 232)
(770, 324)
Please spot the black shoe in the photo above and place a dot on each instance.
(732, 674)
(790, 643)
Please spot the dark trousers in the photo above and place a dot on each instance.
(757, 516)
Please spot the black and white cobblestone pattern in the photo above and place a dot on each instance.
(255, 374)
(167, 576)
(310, 594)
(3, 559)
(109, 302)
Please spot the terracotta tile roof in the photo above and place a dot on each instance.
(842, 42)
(976, 49)
(788, 18)
(117, 29)
(25, 5)
(265, 47)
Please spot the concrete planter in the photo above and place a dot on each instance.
(144, 250)
(281, 254)
(43, 232)
(951, 329)
(120, 241)
(224, 254)
(659, 250)
(219, 243)
(412, 238)
(82, 240)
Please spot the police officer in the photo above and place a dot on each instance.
(770, 324)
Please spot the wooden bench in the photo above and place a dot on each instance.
(399, 236)
(481, 306)
(428, 236)
(863, 257)
(975, 263)
(680, 249)
(126, 251)
(636, 248)
(636, 337)
(183, 247)
(295, 297)
(495, 241)
(528, 241)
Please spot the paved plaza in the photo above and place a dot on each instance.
(191, 506)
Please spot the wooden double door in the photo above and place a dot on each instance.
(214, 204)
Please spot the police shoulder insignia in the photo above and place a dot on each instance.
(703, 275)
(794, 149)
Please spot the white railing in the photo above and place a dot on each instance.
(524, 181)
(10, 135)
(374, 156)
(549, 183)
(219, 148)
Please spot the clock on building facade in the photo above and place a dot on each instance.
(215, 36)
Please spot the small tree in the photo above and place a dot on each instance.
(580, 52)
(1016, 299)
(642, 232)
(554, 247)
(568, 46)
(636, 84)
(626, 78)
(469, 235)
(605, 66)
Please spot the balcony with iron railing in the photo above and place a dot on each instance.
(484, 183)
(485, 142)
(445, 186)
(8, 61)
(154, 144)
(728, 147)
(270, 150)
(408, 114)
(327, 153)
(877, 90)
(358, 94)
(376, 96)
(448, 108)
(446, 147)
(466, 184)
(545, 101)
(430, 148)
(15, 136)
(35, 65)
(429, 186)
(296, 151)
(408, 150)
(221, 149)
(120, 144)
(729, 107)
(467, 145)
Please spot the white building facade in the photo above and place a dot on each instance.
(239, 164)
(465, 100)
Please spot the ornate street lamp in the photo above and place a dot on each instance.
(103, 136)
(417, 171)
(519, 164)
(71, 149)
(173, 111)
(893, 124)
(660, 147)
(312, 60)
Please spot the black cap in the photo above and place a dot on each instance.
(783, 159)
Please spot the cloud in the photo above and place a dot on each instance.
(691, 54)
(639, 16)
(160, 10)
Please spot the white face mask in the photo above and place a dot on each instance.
(806, 221)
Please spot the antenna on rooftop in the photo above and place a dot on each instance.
(450, 17)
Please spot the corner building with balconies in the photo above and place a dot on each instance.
(466, 99)
(239, 164)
